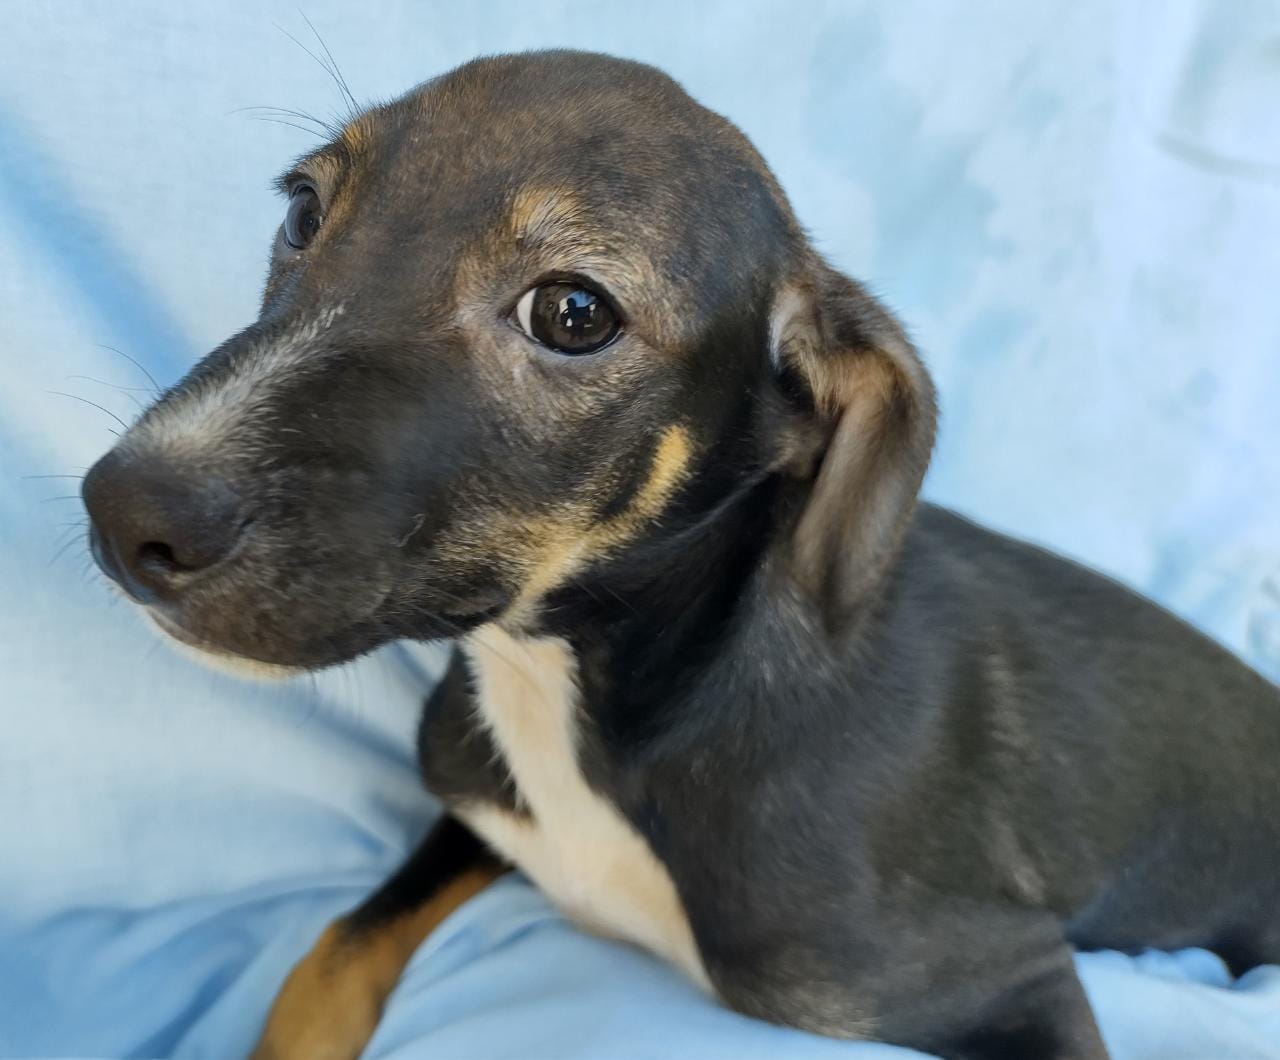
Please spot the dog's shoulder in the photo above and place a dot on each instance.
(960, 579)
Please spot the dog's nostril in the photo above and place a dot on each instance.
(158, 557)
(152, 521)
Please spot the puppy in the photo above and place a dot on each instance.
(545, 364)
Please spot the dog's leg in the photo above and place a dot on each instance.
(1005, 988)
(332, 1000)
(967, 983)
(1046, 1017)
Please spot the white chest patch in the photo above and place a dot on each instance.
(575, 845)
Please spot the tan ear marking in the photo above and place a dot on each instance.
(874, 401)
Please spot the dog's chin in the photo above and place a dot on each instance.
(217, 658)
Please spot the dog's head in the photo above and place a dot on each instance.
(540, 312)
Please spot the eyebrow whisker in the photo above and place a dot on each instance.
(337, 79)
(337, 72)
(284, 121)
(329, 128)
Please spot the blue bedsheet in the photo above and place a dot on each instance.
(1075, 206)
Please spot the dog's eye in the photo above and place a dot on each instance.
(302, 222)
(568, 317)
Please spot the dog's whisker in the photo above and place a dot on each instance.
(333, 63)
(71, 533)
(138, 365)
(337, 80)
(64, 548)
(285, 121)
(327, 127)
(100, 408)
(87, 577)
(66, 534)
(580, 583)
(612, 592)
(130, 392)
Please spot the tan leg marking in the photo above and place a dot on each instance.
(330, 1005)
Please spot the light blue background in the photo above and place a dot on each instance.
(1076, 208)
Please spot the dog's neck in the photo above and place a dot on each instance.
(646, 629)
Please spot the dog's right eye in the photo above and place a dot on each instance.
(568, 317)
(302, 222)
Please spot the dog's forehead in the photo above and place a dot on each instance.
(617, 146)
(570, 114)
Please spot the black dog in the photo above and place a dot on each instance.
(545, 363)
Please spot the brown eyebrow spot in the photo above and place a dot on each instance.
(546, 215)
(357, 134)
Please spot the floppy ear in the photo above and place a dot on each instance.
(870, 403)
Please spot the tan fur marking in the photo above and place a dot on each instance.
(566, 548)
(332, 1001)
(856, 493)
(356, 134)
(875, 398)
(670, 464)
(542, 214)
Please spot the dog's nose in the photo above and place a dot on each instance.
(150, 526)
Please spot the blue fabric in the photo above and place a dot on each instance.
(1076, 207)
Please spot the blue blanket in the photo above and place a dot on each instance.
(1076, 207)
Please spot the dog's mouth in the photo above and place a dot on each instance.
(268, 620)
(170, 627)
(212, 655)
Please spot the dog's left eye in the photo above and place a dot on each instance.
(567, 317)
(302, 222)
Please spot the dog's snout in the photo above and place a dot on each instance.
(152, 527)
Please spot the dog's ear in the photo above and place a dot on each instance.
(866, 404)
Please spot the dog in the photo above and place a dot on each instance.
(545, 366)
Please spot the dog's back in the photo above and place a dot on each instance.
(1135, 763)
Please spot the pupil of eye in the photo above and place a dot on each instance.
(578, 312)
(571, 319)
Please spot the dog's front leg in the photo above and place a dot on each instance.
(333, 998)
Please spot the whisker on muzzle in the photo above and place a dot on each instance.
(85, 400)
